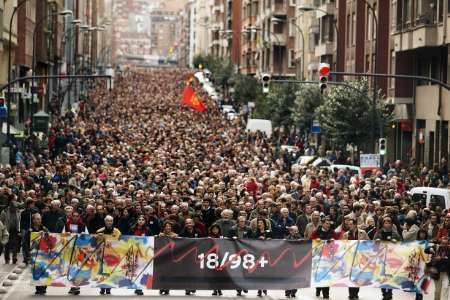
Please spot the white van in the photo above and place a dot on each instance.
(431, 197)
(265, 126)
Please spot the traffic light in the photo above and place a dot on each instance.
(324, 71)
(382, 146)
(265, 83)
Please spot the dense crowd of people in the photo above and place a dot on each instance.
(134, 161)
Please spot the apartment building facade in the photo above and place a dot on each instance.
(421, 47)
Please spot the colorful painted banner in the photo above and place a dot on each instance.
(135, 262)
(369, 264)
(92, 261)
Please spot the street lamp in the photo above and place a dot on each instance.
(67, 38)
(33, 64)
(275, 20)
(375, 65)
(8, 114)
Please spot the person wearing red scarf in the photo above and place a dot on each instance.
(140, 229)
(74, 224)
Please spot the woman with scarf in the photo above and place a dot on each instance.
(74, 224)
(140, 229)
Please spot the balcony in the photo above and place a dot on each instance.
(427, 102)
(328, 7)
(326, 48)
(416, 37)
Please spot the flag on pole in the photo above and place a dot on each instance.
(191, 99)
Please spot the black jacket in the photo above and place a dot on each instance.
(190, 234)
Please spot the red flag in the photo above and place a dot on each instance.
(192, 100)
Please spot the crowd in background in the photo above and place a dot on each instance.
(135, 161)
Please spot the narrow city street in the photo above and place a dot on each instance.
(197, 149)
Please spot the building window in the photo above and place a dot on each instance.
(440, 10)
(373, 63)
(292, 2)
(407, 12)
(368, 24)
(292, 28)
(1, 21)
(393, 16)
(348, 30)
(278, 28)
(372, 21)
(367, 69)
(326, 28)
(353, 29)
(392, 69)
(291, 58)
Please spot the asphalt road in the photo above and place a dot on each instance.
(22, 289)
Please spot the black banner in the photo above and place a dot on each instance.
(231, 264)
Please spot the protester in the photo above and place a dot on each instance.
(138, 151)
(387, 233)
(167, 231)
(75, 225)
(324, 232)
(294, 234)
(354, 233)
(10, 217)
(262, 232)
(36, 226)
(110, 231)
(439, 268)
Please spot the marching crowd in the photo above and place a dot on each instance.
(135, 161)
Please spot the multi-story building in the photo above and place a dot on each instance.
(164, 33)
(234, 16)
(219, 30)
(6, 9)
(186, 46)
(421, 47)
(268, 39)
(203, 25)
